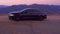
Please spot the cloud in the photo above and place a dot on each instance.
(11, 2)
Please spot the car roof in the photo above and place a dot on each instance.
(30, 8)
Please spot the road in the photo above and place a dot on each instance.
(49, 26)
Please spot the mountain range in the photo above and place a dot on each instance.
(3, 6)
(50, 9)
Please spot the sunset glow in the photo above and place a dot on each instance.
(14, 2)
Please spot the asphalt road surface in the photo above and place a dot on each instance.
(49, 26)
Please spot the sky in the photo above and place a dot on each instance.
(16, 2)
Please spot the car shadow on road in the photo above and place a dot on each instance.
(26, 22)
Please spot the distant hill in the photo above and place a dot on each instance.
(51, 9)
(3, 6)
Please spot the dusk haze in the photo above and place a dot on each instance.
(29, 16)
(16, 2)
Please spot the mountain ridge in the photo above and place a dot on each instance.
(50, 9)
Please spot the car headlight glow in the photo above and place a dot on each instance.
(11, 15)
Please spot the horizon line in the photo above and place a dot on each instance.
(27, 4)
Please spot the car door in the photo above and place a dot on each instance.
(24, 14)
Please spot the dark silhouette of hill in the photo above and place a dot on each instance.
(12, 8)
(51, 9)
(3, 6)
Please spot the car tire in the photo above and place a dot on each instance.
(17, 19)
(45, 16)
(10, 18)
(41, 18)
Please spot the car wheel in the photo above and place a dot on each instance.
(10, 18)
(45, 16)
(41, 18)
(17, 19)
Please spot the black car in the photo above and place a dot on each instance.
(28, 14)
